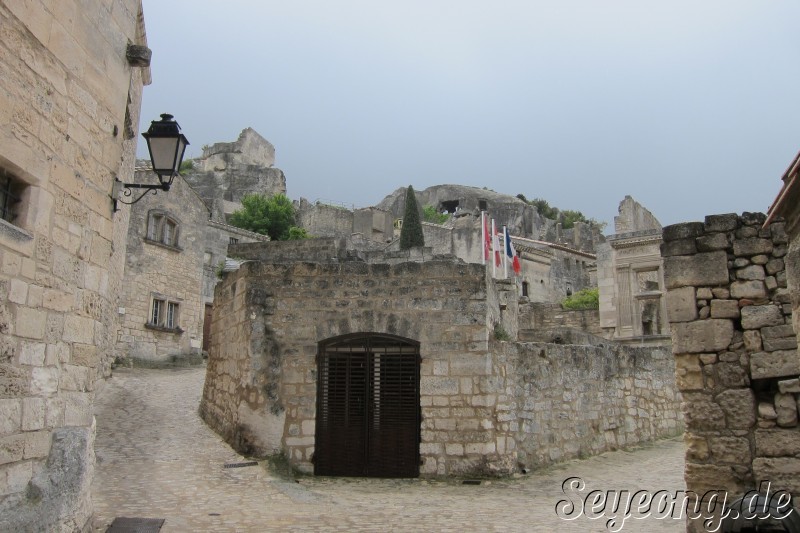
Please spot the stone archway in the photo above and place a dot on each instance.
(368, 409)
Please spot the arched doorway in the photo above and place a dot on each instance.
(368, 412)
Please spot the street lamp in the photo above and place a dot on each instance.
(166, 145)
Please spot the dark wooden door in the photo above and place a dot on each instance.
(368, 415)
(207, 327)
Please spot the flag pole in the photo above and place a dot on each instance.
(505, 252)
(483, 237)
(494, 251)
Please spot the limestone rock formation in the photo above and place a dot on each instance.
(227, 171)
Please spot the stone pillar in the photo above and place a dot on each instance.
(736, 353)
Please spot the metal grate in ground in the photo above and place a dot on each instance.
(135, 525)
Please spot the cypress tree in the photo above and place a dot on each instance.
(411, 232)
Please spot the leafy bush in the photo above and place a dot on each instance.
(430, 214)
(583, 299)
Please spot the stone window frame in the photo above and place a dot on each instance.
(163, 229)
(32, 205)
(164, 314)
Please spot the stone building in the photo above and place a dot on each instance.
(390, 364)
(71, 78)
(174, 251)
(735, 349)
(630, 278)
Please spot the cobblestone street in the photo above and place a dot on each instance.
(157, 459)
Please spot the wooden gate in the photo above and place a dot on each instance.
(368, 413)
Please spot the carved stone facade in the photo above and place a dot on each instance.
(736, 352)
(630, 278)
(486, 405)
(69, 110)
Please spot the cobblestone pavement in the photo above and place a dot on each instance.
(157, 459)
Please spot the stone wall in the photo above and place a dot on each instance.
(69, 109)
(735, 350)
(479, 397)
(545, 317)
(566, 400)
(260, 388)
(171, 272)
(323, 220)
(218, 237)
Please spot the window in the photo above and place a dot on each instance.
(164, 314)
(232, 240)
(524, 288)
(482, 205)
(10, 193)
(162, 229)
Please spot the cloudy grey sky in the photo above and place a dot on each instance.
(690, 106)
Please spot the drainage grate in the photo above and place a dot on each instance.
(135, 525)
(241, 465)
(471, 482)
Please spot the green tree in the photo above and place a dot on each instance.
(411, 234)
(273, 216)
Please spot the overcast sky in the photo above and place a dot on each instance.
(690, 106)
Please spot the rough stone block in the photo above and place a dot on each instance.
(678, 247)
(766, 411)
(778, 364)
(721, 293)
(681, 306)
(753, 219)
(786, 409)
(701, 478)
(777, 442)
(32, 413)
(789, 386)
(10, 416)
(782, 472)
(696, 447)
(721, 223)
(774, 266)
(78, 329)
(37, 444)
(732, 375)
(753, 289)
(709, 243)
(30, 323)
(723, 309)
(760, 316)
(739, 406)
(684, 230)
(710, 335)
(735, 450)
(778, 232)
(752, 246)
(786, 343)
(752, 340)
(688, 372)
(12, 448)
(704, 269)
(32, 353)
(751, 272)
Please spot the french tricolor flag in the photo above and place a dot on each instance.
(512, 254)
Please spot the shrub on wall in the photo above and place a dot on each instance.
(583, 299)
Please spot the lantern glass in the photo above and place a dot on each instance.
(167, 146)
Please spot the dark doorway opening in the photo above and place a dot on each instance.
(368, 413)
